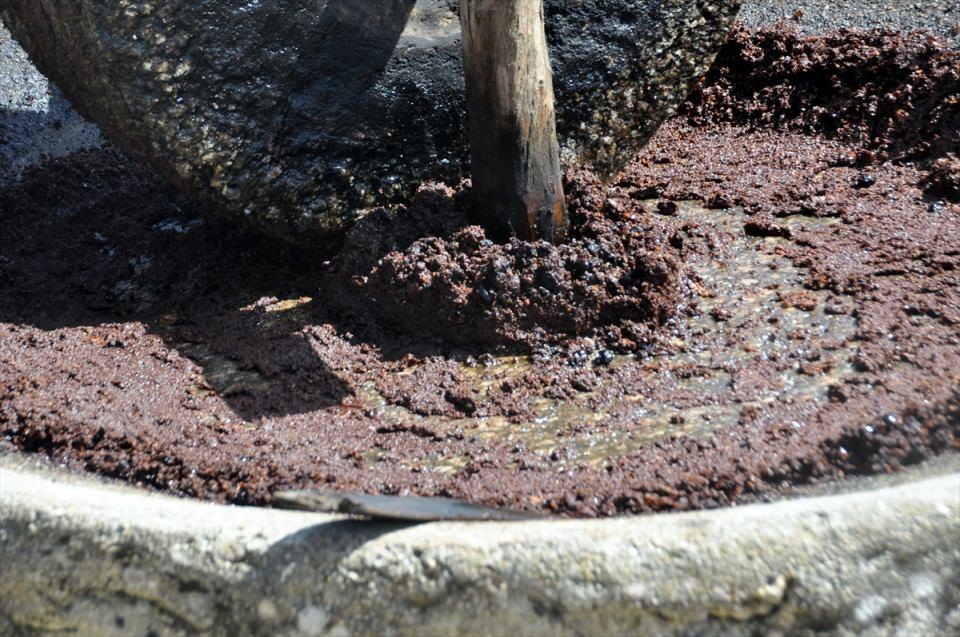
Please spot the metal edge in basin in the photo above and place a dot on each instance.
(92, 558)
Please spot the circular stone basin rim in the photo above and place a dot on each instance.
(103, 559)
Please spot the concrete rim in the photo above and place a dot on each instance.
(107, 560)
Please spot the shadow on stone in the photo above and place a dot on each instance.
(353, 42)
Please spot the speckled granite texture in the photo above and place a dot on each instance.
(36, 122)
(818, 16)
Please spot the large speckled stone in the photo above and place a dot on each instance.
(297, 114)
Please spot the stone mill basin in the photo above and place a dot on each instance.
(83, 555)
(296, 115)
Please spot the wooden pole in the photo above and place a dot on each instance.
(513, 131)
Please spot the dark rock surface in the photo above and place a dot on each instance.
(297, 114)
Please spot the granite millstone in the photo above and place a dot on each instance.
(299, 114)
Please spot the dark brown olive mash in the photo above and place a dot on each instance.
(768, 296)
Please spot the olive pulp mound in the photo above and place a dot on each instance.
(805, 325)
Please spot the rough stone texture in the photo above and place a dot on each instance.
(36, 122)
(95, 559)
(297, 113)
(819, 16)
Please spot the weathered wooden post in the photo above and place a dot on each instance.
(513, 131)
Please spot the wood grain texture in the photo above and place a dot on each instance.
(515, 156)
